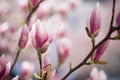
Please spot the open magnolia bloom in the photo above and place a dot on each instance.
(97, 75)
(4, 67)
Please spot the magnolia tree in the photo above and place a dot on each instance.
(35, 34)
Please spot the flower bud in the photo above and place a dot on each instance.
(94, 23)
(4, 67)
(39, 34)
(24, 37)
(63, 49)
(100, 50)
(97, 75)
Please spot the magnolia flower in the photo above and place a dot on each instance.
(24, 37)
(63, 49)
(94, 23)
(27, 70)
(97, 75)
(4, 67)
(39, 36)
(100, 50)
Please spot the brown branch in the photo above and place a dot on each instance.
(96, 46)
(32, 12)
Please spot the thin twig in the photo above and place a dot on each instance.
(16, 58)
(32, 12)
(96, 46)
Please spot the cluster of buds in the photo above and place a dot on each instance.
(97, 75)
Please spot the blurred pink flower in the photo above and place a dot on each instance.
(4, 67)
(24, 37)
(27, 70)
(100, 50)
(63, 49)
(33, 3)
(39, 35)
(4, 28)
(94, 23)
(97, 75)
(61, 32)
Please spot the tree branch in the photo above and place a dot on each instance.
(96, 46)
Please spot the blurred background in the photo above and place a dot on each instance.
(73, 17)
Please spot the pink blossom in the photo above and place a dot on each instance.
(27, 70)
(24, 37)
(4, 28)
(100, 50)
(94, 23)
(61, 32)
(4, 67)
(63, 49)
(39, 34)
(97, 75)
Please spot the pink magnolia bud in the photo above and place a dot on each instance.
(23, 5)
(27, 70)
(39, 34)
(4, 67)
(34, 3)
(94, 23)
(100, 50)
(97, 75)
(24, 37)
(46, 60)
(63, 49)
